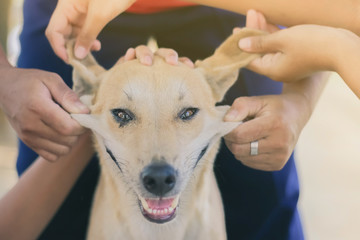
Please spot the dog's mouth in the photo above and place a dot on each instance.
(159, 210)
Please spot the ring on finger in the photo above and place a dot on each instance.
(254, 148)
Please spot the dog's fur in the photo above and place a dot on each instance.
(160, 114)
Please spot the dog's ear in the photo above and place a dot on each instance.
(87, 73)
(222, 68)
(93, 122)
(222, 127)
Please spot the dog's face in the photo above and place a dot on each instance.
(155, 125)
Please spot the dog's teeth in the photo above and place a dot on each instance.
(145, 205)
(166, 210)
(171, 209)
(162, 212)
(175, 202)
(154, 211)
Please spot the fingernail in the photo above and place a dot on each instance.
(80, 52)
(147, 60)
(245, 44)
(82, 108)
(231, 115)
(173, 59)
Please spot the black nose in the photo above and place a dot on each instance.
(159, 178)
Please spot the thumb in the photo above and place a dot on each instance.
(64, 96)
(243, 108)
(259, 44)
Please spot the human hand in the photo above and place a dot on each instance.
(27, 97)
(146, 56)
(275, 122)
(83, 20)
(295, 53)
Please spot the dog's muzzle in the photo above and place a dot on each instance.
(159, 179)
(159, 210)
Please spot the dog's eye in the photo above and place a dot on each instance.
(188, 113)
(122, 116)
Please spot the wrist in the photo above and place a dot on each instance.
(305, 93)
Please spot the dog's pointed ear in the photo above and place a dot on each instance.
(222, 127)
(87, 73)
(222, 68)
(93, 122)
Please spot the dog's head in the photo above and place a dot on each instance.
(155, 125)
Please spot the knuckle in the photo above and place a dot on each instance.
(26, 128)
(26, 139)
(64, 150)
(66, 130)
(257, 43)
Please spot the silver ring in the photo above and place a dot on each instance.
(254, 148)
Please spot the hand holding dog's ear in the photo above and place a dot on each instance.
(42, 124)
(294, 53)
(83, 20)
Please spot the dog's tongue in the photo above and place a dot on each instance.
(159, 203)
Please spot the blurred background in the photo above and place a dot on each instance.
(328, 151)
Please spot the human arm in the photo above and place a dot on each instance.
(29, 206)
(294, 53)
(335, 13)
(36, 104)
(275, 121)
(83, 19)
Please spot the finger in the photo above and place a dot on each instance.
(257, 128)
(263, 25)
(252, 19)
(57, 43)
(260, 44)
(96, 46)
(47, 155)
(260, 162)
(99, 13)
(169, 55)
(62, 122)
(144, 54)
(236, 30)
(88, 34)
(56, 32)
(244, 150)
(55, 137)
(53, 116)
(64, 95)
(50, 147)
(267, 65)
(43, 131)
(243, 108)
(130, 54)
(187, 61)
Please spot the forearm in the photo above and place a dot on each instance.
(336, 13)
(306, 93)
(30, 205)
(348, 62)
(351, 75)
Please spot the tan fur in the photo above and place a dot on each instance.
(156, 95)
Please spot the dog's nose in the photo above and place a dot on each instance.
(159, 178)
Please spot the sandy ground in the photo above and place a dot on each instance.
(328, 159)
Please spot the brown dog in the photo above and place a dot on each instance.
(157, 134)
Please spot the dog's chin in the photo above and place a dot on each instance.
(159, 210)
